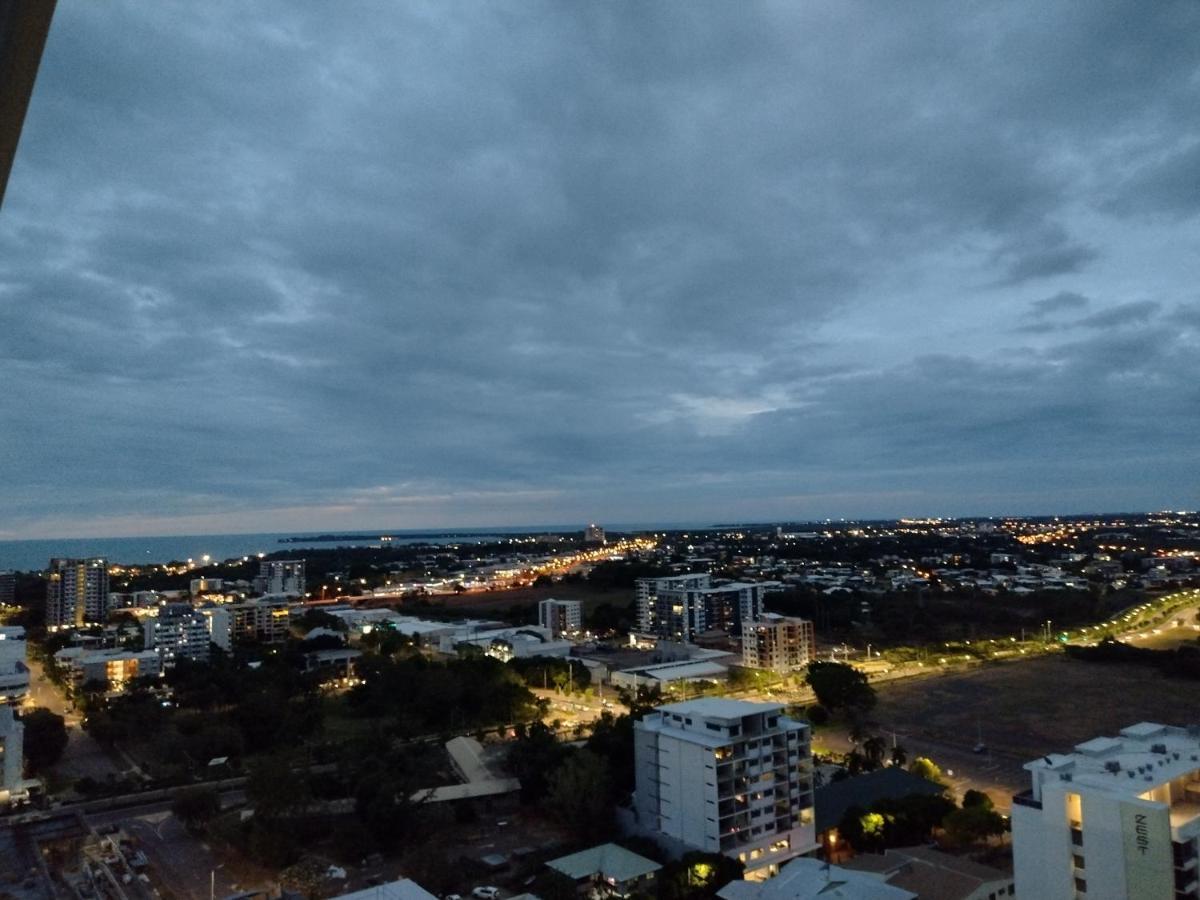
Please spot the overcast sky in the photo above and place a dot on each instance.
(275, 266)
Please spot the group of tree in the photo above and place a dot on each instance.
(422, 697)
(914, 819)
(551, 673)
(840, 687)
(1181, 662)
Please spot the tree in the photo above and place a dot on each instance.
(874, 750)
(973, 823)
(275, 790)
(196, 806)
(45, 739)
(926, 768)
(578, 794)
(839, 686)
(974, 798)
(697, 875)
(817, 714)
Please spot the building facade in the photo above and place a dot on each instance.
(281, 576)
(594, 534)
(777, 643)
(8, 587)
(12, 732)
(1117, 819)
(726, 776)
(76, 592)
(14, 672)
(116, 668)
(680, 607)
(561, 616)
(177, 632)
(265, 620)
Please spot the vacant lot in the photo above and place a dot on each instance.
(1026, 709)
(493, 601)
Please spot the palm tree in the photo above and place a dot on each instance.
(874, 750)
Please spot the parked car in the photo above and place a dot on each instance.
(486, 892)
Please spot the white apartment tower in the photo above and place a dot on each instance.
(560, 616)
(594, 534)
(680, 607)
(76, 592)
(177, 632)
(12, 733)
(14, 673)
(1117, 819)
(726, 776)
(777, 643)
(281, 576)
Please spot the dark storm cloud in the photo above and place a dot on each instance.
(425, 263)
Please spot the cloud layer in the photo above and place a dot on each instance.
(283, 266)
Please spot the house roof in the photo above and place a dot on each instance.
(811, 879)
(610, 861)
(832, 800)
(930, 874)
(404, 889)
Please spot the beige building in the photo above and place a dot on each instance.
(777, 643)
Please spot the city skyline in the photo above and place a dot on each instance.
(427, 267)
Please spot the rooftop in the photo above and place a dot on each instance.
(1142, 757)
(811, 879)
(930, 874)
(610, 861)
(404, 889)
(720, 708)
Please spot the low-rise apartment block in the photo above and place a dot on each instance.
(681, 607)
(561, 616)
(726, 776)
(264, 620)
(1117, 819)
(281, 576)
(777, 643)
(116, 668)
(177, 632)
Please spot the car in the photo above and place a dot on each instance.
(979, 748)
(486, 892)
(452, 897)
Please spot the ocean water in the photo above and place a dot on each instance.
(36, 554)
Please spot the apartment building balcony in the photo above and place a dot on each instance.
(1185, 820)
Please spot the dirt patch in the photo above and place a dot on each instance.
(1028, 709)
(531, 596)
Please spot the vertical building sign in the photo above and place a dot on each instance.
(1146, 833)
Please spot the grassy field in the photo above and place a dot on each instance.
(1030, 708)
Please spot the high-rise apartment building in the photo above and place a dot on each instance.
(560, 616)
(177, 632)
(594, 534)
(12, 732)
(76, 592)
(281, 576)
(14, 673)
(8, 587)
(777, 643)
(726, 776)
(1117, 819)
(680, 607)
